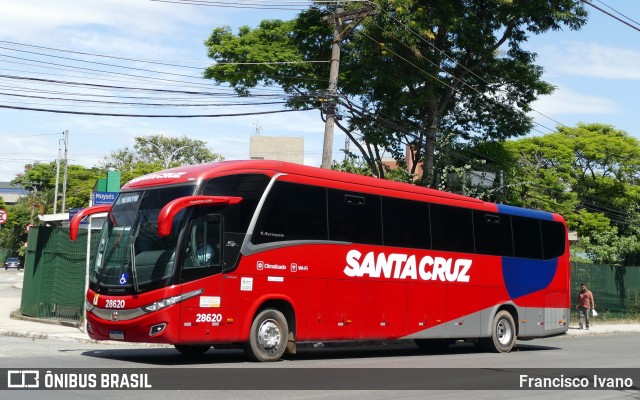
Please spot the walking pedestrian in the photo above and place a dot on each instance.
(585, 303)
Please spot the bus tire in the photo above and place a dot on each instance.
(192, 350)
(268, 336)
(503, 334)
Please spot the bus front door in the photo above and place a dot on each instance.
(202, 317)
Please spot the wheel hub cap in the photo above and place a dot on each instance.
(268, 335)
(504, 333)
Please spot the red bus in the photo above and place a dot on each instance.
(266, 254)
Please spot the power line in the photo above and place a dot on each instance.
(152, 115)
(452, 59)
(615, 213)
(95, 85)
(143, 60)
(611, 15)
(23, 136)
(618, 12)
(146, 104)
(292, 5)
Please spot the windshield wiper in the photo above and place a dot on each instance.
(134, 271)
(132, 247)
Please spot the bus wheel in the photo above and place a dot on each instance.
(268, 336)
(503, 334)
(192, 349)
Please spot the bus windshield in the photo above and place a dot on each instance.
(131, 256)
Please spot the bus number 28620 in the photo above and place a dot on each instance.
(208, 317)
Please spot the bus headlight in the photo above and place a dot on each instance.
(164, 303)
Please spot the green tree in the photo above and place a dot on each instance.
(156, 152)
(410, 73)
(590, 175)
(40, 180)
(80, 184)
(13, 232)
(352, 164)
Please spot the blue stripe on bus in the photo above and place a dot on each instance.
(523, 212)
(524, 276)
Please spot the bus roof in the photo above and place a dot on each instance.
(199, 172)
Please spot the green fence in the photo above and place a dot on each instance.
(3, 255)
(54, 274)
(616, 290)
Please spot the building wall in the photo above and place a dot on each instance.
(290, 149)
(10, 194)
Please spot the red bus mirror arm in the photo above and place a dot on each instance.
(165, 218)
(74, 225)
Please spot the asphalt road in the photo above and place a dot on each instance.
(334, 367)
(608, 351)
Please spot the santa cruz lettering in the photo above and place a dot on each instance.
(403, 266)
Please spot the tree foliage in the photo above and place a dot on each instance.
(411, 72)
(589, 174)
(40, 180)
(157, 152)
(353, 164)
(13, 232)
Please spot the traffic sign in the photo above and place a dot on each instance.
(3, 216)
(99, 198)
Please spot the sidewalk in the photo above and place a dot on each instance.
(12, 323)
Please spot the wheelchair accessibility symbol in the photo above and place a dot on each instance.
(124, 278)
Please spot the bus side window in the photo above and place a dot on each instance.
(203, 248)
(493, 233)
(292, 212)
(406, 223)
(452, 228)
(553, 239)
(527, 238)
(354, 217)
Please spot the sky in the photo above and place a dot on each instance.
(159, 45)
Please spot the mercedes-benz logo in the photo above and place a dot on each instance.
(114, 316)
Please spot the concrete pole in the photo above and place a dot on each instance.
(332, 92)
(66, 162)
(55, 193)
(86, 270)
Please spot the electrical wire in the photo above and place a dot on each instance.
(153, 115)
(611, 15)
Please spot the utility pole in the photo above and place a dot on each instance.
(34, 194)
(55, 192)
(340, 19)
(346, 147)
(66, 162)
(332, 91)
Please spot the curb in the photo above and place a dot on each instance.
(65, 337)
(38, 335)
(17, 315)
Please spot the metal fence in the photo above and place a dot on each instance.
(54, 274)
(616, 290)
(3, 254)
